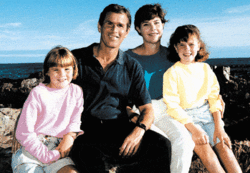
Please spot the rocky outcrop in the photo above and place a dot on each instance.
(234, 90)
(13, 93)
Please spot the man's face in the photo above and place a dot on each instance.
(114, 29)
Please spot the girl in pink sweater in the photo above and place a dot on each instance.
(51, 117)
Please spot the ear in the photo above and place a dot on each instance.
(199, 46)
(127, 32)
(176, 48)
(99, 27)
(138, 29)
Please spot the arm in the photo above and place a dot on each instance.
(132, 142)
(73, 129)
(27, 136)
(171, 96)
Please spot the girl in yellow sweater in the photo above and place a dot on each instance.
(191, 92)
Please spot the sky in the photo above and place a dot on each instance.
(30, 28)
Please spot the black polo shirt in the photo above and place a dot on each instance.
(106, 94)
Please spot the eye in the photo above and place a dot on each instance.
(120, 25)
(54, 69)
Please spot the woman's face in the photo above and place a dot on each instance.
(151, 30)
(187, 51)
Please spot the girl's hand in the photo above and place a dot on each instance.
(65, 145)
(220, 133)
(199, 137)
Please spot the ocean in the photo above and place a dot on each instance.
(19, 71)
(23, 70)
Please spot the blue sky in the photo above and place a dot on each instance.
(30, 28)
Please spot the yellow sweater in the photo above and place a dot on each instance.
(189, 86)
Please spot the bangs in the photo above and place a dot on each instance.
(183, 36)
(57, 61)
(150, 15)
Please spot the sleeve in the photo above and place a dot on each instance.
(75, 120)
(138, 91)
(172, 98)
(213, 97)
(26, 135)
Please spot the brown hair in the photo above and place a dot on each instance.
(59, 56)
(148, 12)
(182, 33)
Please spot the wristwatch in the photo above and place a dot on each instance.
(141, 125)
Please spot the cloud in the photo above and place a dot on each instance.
(10, 25)
(86, 28)
(239, 9)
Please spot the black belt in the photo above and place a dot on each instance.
(98, 121)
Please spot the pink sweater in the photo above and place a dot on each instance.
(49, 111)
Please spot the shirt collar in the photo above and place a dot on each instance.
(120, 57)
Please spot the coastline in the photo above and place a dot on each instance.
(235, 84)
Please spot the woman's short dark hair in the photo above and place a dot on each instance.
(59, 56)
(182, 33)
(115, 8)
(148, 12)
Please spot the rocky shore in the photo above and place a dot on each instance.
(235, 90)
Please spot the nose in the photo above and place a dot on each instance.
(153, 27)
(114, 27)
(187, 47)
(62, 72)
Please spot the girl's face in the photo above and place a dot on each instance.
(151, 30)
(60, 77)
(187, 51)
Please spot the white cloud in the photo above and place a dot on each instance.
(238, 9)
(8, 25)
(87, 28)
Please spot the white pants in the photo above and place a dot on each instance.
(181, 141)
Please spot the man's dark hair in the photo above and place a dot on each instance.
(115, 8)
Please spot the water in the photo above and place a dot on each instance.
(19, 71)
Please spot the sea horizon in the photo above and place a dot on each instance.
(24, 70)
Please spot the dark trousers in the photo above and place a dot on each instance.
(101, 142)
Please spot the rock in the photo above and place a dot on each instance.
(234, 90)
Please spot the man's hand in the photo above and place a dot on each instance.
(132, 143)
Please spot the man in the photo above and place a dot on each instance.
(111, 80)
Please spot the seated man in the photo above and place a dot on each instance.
(111, 80)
